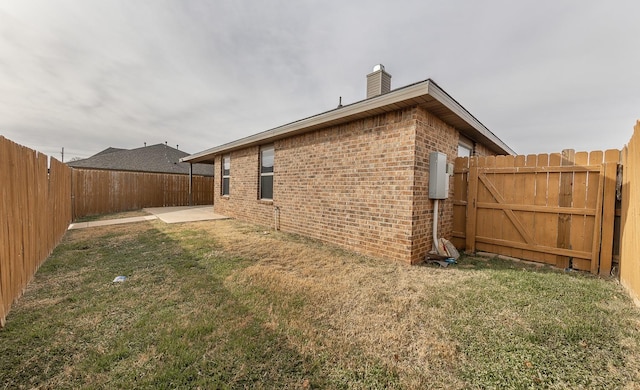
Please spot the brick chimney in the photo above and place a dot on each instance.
(378, 81)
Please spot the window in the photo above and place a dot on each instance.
(226, 174)
(267, 156)
(465, 150)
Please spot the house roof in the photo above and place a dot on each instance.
(425, 93)
(158, 158)
(108, 150)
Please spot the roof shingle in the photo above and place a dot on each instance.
(159, 158)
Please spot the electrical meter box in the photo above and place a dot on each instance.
(438, 176)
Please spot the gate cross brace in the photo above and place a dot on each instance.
(510, 214)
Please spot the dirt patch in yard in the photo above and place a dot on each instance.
(120, 215)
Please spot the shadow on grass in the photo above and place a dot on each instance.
(199, 308)
(171, 324)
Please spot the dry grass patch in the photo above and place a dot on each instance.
(436, 327)
(226, 304)
(383, 310)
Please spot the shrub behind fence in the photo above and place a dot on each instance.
(35, 207)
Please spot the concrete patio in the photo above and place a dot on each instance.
(165, 214)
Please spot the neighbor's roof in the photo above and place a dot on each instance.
(426, 94)
(108, 150)
(158, 158)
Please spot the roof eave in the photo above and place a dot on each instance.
(425, 93)
(467, 123)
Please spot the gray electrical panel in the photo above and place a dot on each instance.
(438, 176)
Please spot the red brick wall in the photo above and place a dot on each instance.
(361, 185)
(351, 185)
(432, 135)
(481, 150)
(355, 182)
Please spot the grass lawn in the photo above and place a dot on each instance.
(223, 304)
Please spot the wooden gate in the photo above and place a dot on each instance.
(557, 209)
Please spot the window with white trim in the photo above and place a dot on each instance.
(267, 156)
(226, 174)
(464, 149)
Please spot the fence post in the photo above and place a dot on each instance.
(597, 226)
(564, 200)
(190, 184)
(611, 158)
(472, 207)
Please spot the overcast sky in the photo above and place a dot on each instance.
(87, 74)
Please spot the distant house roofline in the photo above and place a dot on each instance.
(159, 158)
(425, 93)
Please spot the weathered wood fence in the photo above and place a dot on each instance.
(35, 210)
(630, 242)
(38, 203)
(101, 192)
(557, 209)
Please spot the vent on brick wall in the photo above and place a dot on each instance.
(378, 81)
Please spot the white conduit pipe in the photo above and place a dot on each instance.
(435, 226)
(276, 218)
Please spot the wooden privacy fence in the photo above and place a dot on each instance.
(630, 242)
(38, 203)
(557, 209)
(102, 192)
(35, 206)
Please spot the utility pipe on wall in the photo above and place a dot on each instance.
(435, 226)
(276, 218)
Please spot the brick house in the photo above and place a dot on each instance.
(356, 176)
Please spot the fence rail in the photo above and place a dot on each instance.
(36, 210)
(102, 192)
